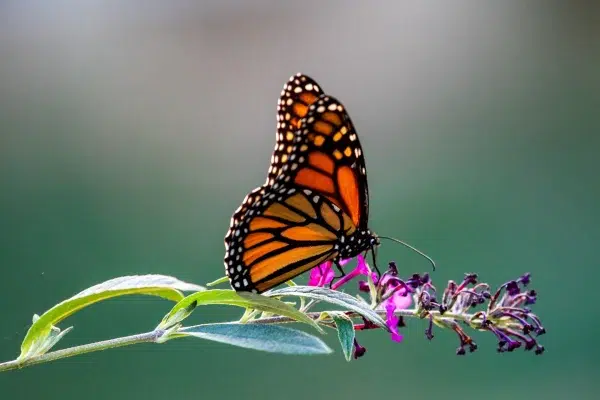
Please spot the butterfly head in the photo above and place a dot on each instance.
(356, 243)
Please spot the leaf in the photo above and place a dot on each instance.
(218, 281)
(270, 338)
(331, 296)
(53, 337)
(242, 299)
(36, 339)
(176, 317)
(345, 329)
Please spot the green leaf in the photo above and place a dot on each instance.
(270, 338)
(39, 338)
(176, 317)
(241, 299)
(346, 334)
(331, 296)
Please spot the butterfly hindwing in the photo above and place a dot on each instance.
(284, 233)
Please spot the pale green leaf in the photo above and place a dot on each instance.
(331, 296)
(269, 338)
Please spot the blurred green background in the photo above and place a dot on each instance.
(130, 131)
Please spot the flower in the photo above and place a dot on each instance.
(395, 293)
(398, 301)
(359, 350)
(362, 268)
(321, 275)
(396, 296)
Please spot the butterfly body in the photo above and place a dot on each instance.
(313, 206)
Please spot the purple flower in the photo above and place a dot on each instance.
(362, 268)
(321, 275)
(399, 299)
(392, 322)
(396, 294)
(395, 291)
(359, 350)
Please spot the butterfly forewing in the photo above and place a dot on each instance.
(328, 159)
(296, 97)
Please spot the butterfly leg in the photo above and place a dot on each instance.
(374, 256)
(342, 273)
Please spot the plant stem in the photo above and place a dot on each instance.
(154, 336)
(404, 313)
(149, 337)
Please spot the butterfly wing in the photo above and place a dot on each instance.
(294, 101)
(296, 97)
(284, 233)
(327, 158)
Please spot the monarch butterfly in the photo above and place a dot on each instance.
(314, 204)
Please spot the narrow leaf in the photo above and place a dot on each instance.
(155, 285)
(243, 299)
(270, 338)
(53, 337)
(331, 296)
(218, 281)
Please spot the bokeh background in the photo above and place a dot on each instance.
(130, 131)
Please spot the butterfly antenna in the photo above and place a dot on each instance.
(412, 248)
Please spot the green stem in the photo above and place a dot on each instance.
(149, 337)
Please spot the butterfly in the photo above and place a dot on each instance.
(314, 204)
